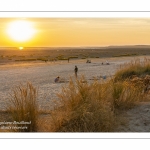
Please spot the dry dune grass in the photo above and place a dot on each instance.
(136, 67)
(125, 94)
(93, 107)
(23, 106)
(83, 108)
(137, 73)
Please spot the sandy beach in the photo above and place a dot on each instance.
(42, 76)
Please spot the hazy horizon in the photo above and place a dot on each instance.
(74, 46)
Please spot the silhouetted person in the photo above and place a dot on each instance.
(68, 60)
(76, 71)
(57, 79)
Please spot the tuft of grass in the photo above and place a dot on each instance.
(125, 94)
(83, 107)
(133, 68)
(23, 107)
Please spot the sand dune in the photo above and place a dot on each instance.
(42, 75)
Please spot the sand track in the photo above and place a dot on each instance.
(138, 119)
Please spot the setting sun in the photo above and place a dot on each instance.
(70, 32)
(20, 30)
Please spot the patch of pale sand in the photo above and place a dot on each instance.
(137, 119)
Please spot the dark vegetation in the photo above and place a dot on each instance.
(51, 54)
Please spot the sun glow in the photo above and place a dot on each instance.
(21, 48)
(20, 30)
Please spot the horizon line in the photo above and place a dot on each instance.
(74, 46)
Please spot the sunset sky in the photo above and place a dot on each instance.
(62, 32)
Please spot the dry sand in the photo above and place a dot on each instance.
(137, 119)
(42, 75)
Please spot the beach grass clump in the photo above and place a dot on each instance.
(83, 107)
(125, 94)
(23, 107)
(93, 107)
(133, 68)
